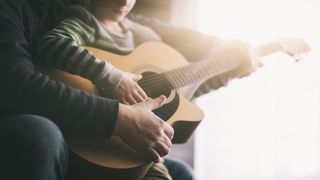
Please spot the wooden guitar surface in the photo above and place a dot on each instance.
(149, 59)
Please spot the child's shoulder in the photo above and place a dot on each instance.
(78, 12)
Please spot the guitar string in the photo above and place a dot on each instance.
(191, 65)
(154, 78)
(153, 81)
(162, 80)
(157, 82)
(155, 88)
(151, 78)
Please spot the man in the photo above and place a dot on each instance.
(34, 108)
(33, 146)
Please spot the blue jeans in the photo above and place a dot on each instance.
(33, 148)
(179, 170)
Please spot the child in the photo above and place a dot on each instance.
(102, 25)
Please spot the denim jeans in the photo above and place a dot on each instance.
(33, 148)
(179, 170)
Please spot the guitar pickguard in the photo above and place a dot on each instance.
(168, 109)
(164, 88)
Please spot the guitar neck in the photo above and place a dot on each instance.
(208, 68)
(195, 72)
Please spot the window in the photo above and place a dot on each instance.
(266, 126)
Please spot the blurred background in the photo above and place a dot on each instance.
(262, 127)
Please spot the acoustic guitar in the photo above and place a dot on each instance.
(165, 72)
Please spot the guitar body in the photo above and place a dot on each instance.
(149, 59)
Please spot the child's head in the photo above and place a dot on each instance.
(114, 10)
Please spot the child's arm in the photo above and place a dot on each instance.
(61, 48)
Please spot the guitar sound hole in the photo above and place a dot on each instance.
(155, 84)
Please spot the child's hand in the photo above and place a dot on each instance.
(128, 90)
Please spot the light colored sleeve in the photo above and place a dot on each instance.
(61, 48)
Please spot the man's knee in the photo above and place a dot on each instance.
(32, 146)
(33, 134)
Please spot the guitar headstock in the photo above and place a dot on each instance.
(293, 46)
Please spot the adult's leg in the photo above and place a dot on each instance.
(32, 148)
(179, 170)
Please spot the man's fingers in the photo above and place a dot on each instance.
(168, 130)
(162, 149)
(153, 155)
(307, 48)
(260, 64)
(167, 141)
(153, 104)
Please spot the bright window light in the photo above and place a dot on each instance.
(266, 126)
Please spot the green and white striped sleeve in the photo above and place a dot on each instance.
(61, 48)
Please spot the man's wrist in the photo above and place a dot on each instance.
(122, 115)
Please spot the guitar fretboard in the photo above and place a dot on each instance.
(198, 71)
(205, 69)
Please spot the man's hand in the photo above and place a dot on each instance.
(141, 129)
(241, 53)
(128, 90)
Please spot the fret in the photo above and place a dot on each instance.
(178, 77)
(182, 72)
(196, 71)
(188, 74)
(206, 70)
(185, 75)
(172, 78)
